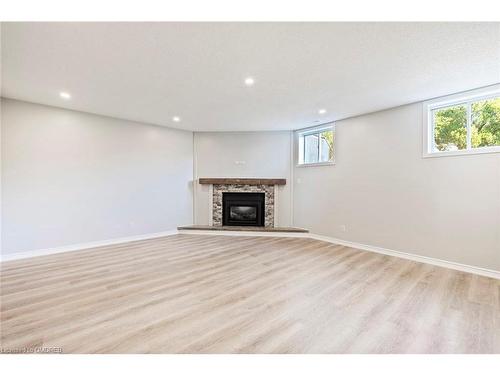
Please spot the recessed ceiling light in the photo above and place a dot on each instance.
(249, 81)
(322, 111)
(176, 119)
(65, 95)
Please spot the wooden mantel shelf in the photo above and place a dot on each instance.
(242, 181)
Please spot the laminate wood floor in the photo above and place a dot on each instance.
(225, 294)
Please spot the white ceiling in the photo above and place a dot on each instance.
(151, 72)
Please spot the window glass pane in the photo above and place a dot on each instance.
(326, 146)
(311, 151)
(486, 123)
(450, 128)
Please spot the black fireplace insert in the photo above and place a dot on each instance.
(245, 209)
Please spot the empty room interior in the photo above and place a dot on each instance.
(238, 187)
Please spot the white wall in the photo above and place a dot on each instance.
(389, 196)
(264, 154)
(71, 177)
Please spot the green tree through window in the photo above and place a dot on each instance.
(328, 139)
(486, 123)
(450, 128)
(450, 125)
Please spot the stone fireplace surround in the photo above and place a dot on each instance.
(268, 190)
(243, 185)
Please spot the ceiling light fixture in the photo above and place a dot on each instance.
(65, 95)
(176, 119)
(322, 111)
(249, 81)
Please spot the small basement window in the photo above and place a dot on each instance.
(316, 146)
(467, 123)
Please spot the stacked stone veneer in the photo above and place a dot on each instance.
(268, 190)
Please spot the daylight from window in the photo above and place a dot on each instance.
(316, 146)
(466, 126)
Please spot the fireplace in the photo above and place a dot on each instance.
(243, 209)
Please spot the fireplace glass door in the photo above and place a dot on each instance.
(243, 209)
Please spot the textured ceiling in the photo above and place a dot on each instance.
(151, 72)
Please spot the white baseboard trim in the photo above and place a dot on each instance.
(84, 246)
(417, 258)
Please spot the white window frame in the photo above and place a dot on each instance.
(301, 133)
(456, 99)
